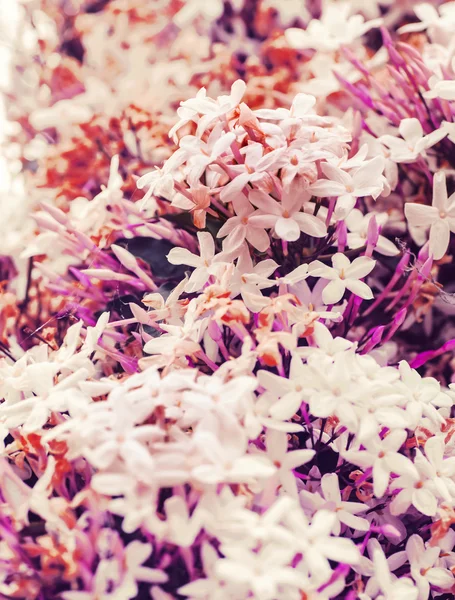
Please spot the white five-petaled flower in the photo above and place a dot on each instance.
(247, 224)
(204, 110)
(284, 461)
(318, 546)
(336, 28)
(346, 513)
(383, 580)
(286, 216)
(288, 390)
(358, 223)
(344, 275)
(423, 570)
(205, 264)
(442, 22)
(413, 142)
(426, 481)
(366, 180)
(440, 216)
(383, 457)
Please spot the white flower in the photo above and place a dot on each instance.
(256, 166)
(288, 390)
(159, 182)
(383, 457)
(436, 23)
(248, 224)
(358, 223)
(277, 444)
(205, 264)
(440, 217)
(414, 142)
(345, 512)
(423, 571)
(424, 395)
(426, 481)
(334, 29)
(344, 275)
(366, 180)
(438, 469)
(286, 216)
(226, 457)
(264, 572)
(441, 88)
(317, 545)
(393, 588)
(204, 111)
(327, 345)
(246, 279)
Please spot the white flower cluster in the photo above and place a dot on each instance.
(204, 436)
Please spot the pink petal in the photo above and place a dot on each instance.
(311, 225)
(385, 247)
(264, 202)
(411, 130)
(425, 502)
(359, 288)
(441, 578)
(333, 292)
(287, 229)
(440, 200)
(420, 215)
(324, 188)
(439, 238)
(296, 458)
(360, 267)
(258, 238)
(182, 256)
(335, 174)
(366, 178)
(235, 239)
(340, 261)
(381, 477)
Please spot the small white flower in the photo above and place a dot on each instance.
(423, 570)
(205, 265)
(345, 512)
(440, 216)
(366, 180)
(383, 457)
(334, 29)
(285, 462)
(358, 223)
(413, 143)
(344, 275)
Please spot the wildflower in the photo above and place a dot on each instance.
(205, 264)
(346, 513)
(277, 450)
(248, 224)
(344, 275)
(365, 181)
(383, 457)
(286, 217)
(414, 142)
(431, 19)
(318, 546)
(423, 571)
(325, 34)
(440, 216)
(358, 223)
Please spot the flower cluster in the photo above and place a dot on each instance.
(226, 304)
